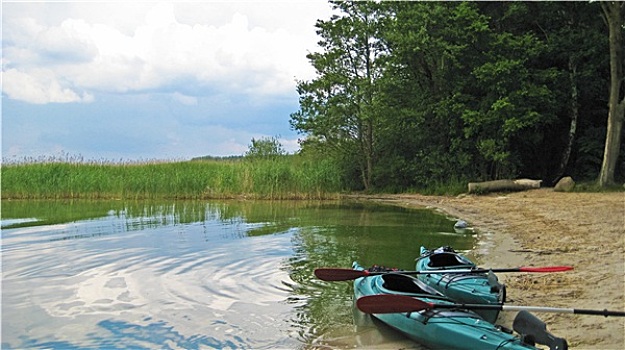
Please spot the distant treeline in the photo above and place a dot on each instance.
(415, 94)
(216, 158)
(277, 177)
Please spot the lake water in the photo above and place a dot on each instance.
(197, 274)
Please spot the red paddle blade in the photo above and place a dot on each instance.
(389, 304)
(336, 274)
(546, 269)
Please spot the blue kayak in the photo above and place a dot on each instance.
(435, 328)
(467, 288)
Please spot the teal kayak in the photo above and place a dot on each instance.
(435, 328)
(467, 288)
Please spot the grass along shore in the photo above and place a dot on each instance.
(281, 177)
(275, 177)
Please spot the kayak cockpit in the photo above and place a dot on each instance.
(446, 259)
(396, 282)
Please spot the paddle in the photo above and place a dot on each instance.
(388, 304)
(341, 274)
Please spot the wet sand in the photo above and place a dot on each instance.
(540, 228)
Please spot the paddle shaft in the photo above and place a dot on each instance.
(342, 274)
(388, 303)
(605, 313)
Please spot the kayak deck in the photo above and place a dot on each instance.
(467, 288)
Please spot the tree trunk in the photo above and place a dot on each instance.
(613, 11)
(574, 116)
(369, 152)
(503, 185)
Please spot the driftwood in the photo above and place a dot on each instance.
(503, 185)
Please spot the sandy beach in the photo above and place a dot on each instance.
(540, 228)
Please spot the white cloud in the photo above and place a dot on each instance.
(73, 59)
(143, 80)
(68, 43)
(39, 86)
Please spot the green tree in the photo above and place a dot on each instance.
(487, 89)
(338, 108)
(513, 99)
(467, 87)
(416, 94)
(265, 147)
(431, 53)
(575, 41)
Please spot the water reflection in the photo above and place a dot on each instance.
(199, 274)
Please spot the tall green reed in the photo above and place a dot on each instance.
(281, 177)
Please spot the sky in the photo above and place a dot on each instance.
(143, 80)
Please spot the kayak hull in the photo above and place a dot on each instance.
(435, 328)
(470, 288)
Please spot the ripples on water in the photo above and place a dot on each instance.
(157, 280)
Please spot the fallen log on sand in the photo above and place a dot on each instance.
(503, 185)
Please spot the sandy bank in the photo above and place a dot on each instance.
(540, 228)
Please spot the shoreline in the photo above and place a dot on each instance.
(541, 228)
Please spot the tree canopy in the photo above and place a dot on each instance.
(412, 94)
(265, 147)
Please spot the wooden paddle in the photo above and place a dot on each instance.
(387, 303)
(342, 274)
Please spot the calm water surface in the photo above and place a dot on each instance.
(197, 274)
